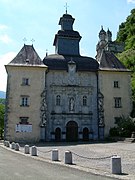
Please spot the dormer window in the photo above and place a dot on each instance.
(71, 67)
(27, 60)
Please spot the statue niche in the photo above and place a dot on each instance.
(71, 104)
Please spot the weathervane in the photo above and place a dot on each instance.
(32, 40)
(66, 6)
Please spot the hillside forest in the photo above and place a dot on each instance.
(126, 34)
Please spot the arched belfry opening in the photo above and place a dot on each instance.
(72, 131)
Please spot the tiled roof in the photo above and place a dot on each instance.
(109, 61)
(27, 56)
(60, 62)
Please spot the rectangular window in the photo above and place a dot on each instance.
(24, 120)
(24, 101)
(116, 84)
(117, 102)
(25, 81)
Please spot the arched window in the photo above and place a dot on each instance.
(58, 100)
(84, 100)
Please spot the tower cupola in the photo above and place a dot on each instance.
(66, 40)
(102, 34)
(66, 22)
(109, 36)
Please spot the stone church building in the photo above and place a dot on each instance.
(66, 96)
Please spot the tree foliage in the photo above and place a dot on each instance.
(126, 31)
(2, 101)
(126, 34)
(124, 127)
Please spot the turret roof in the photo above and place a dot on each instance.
(109, 61)
(27, 56)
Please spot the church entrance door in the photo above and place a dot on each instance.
(85, 134)
(72, 131)
(57, 134)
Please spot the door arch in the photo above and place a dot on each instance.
(72, 131)
(57, 134)
(85, 134)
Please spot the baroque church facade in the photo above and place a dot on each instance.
(66, 96)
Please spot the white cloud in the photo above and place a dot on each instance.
(3, 27)
(5, 39)
(131, 1)
(5, 59)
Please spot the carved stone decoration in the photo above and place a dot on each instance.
(71, 71)
(71, 104)
(101, 109)
(43, 109)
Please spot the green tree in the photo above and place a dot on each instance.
(124, 127)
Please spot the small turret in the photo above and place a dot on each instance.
(108, 36)
(66, 22)
(102, 34)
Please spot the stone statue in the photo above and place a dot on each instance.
(71, 104)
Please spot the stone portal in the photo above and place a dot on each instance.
(71, 131)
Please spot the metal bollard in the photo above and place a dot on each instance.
(33, 151)
(116, 165)
(55, 155)
(68, 157)
(16, 147)
(26, 149)
(13, 145)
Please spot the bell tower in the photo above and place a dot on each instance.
(67, 40)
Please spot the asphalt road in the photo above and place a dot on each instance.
(15, 166)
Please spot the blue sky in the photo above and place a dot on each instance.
(38, 20)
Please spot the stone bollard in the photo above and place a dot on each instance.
(68, 157)
(33, 151)
(55, 155)
(13, 145)
(26, 149)
(116, 165)
(4, 143)
(16, 147)
(7, 144)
